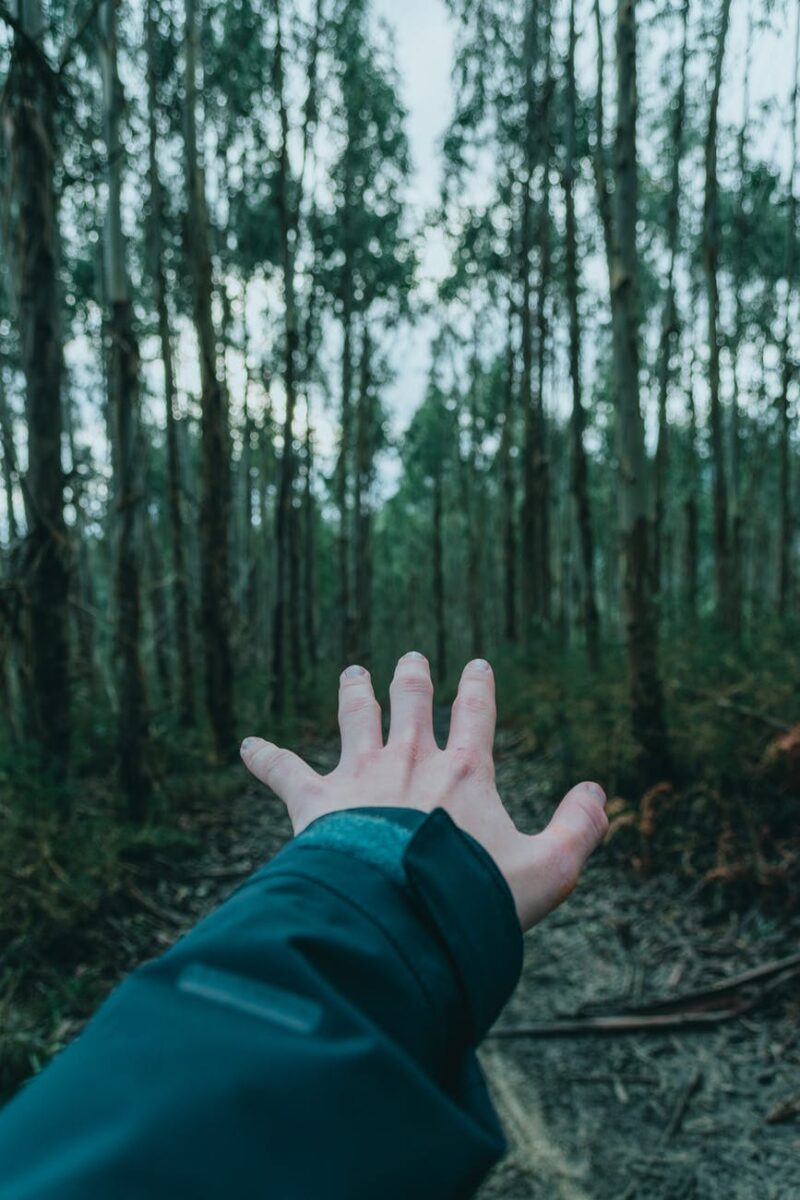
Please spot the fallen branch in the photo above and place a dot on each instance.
(687, 1012)
(741, 710)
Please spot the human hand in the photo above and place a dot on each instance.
(410, 771)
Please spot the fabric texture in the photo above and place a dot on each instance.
(313, 1039)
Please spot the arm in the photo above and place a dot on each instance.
(315, 1036)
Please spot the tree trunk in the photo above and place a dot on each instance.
(29, 123)
(691, 512)
(647, 711)
(785, 531)
(123, 359)
(309, 550)
(669, 320)
(284, 575)
(215, 458)
(439, 610)
(362, 515)
(711, 257)
(509, 535)
(529, 523)
(580, 474)
(180, 591)
(10, 473)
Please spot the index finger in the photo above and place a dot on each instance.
(474, 713)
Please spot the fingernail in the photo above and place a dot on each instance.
(351, 672)
(599, 793)
(247, 744)
(479, 664)
(413, 654)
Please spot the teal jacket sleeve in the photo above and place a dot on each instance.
(313, 1039)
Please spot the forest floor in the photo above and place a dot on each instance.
(668, 1115)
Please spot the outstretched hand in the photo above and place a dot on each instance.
(410, 771)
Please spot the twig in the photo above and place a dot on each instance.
(670, 1129)
(742, 710)
(686, 1017)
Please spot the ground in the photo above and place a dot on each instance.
(673, 1115)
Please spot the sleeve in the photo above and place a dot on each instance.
(313, 1038)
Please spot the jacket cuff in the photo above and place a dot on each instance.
(455, 888)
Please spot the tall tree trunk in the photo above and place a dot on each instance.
(439, 610)
(29, 122)
(669, 319)
(509, 534)
(785, 532)
(362, 515)
(283, 514)
(580, 474)
(544, 585)
(690, 508)
(471, 484)
(180, 591)
(711, 258)
(10, 472)
(647, 711)
(309, 549)
(739, 337)
(215, 457)
(123, 359)
(529, 525)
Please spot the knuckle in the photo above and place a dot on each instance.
(358, 702)
(475, 702)
(413, 683)
(465, 761)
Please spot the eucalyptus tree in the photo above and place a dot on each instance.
(580, 486)
(32, 90)
(367, 255)
(123, 399)
(157, 63)
(634, 475)
(711, 262)
(215, 462)
(785, 522)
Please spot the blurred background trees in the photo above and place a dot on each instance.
(210, 249)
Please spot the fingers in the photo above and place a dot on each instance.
(284, 773)
(411, 696)
(559, 853)
(359, 714)
(473, 718)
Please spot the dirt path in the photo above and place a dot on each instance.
(672, 1116)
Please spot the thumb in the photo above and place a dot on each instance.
(558, 854)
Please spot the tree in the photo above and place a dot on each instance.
(215, 461)
(29, 120)
(580, 489)
(710, 259)
(123, 379)
(647, 707)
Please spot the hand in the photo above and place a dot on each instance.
(412, 772)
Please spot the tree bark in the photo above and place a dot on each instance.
(439, 609)
(362, 515)
(29, 122)
(711, 258)
(123, 359)
(215, 456)
(509, 533)
(670, 328)
(647, 712)
(580, 473)
(284, 574)
(180, 591)
(785, 531)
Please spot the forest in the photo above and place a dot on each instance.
(222, 481)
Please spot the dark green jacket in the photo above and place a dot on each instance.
(312, 1039)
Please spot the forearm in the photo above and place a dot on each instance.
(312, 1037)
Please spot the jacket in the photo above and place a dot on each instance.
(312, 1039)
